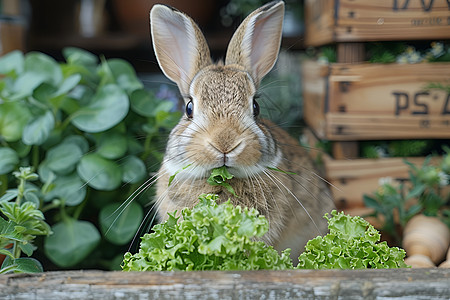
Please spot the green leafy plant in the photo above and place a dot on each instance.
(21, 224)
(215, 236)
(209, 237)
(397, 148)
(93, 133)
(352, 243)
(385, 52)
(394, 203)
(219, 176)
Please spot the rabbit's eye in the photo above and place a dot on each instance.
(255, 108)
(190, 109)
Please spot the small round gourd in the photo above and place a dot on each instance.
(426, 236)
(419, 261)
(446, 264)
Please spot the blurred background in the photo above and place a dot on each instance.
(120, 28)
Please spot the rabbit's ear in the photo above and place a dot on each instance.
(179, 45)
(256, 42)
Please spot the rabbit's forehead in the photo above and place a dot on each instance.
(223, 87)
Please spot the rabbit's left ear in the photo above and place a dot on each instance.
(256, 42)
(179, 45)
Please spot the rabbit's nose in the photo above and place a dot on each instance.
(225, 147)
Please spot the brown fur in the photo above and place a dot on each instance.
(223, 131)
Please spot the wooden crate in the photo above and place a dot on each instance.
(364, 101)
(329, 21)
(350, 179)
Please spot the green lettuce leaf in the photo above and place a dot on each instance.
(219, 176)
(208, 237)
(352, 243)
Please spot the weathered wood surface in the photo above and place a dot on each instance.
(330, 21)
(304, 284)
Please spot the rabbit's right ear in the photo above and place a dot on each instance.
(179, 45)
(256, 42)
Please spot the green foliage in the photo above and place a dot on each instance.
(219, 176)
(438, 86)
(385, 52)
(208, 237)
(391, 52)
(396, 203)
(223, 237)
(396, 148)
(92, 132)
(329, 54)
(352, 243)
(19, 226)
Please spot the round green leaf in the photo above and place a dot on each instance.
(21, 149)
(25, 85)
(38, 130)
(70, 189)
(99, 173)
(13, 118)
(124, 74)
(45, 174)
(27, 265)
(12, 61)
(134, 169)
(143, 102)
(44, 92)
(119, 225)
(68, 84)
(63, 158)
(77, 56)
(112, 145)
(79, 141)
(8, 160)
(42, 65)
(71, 242)
(107, 108)
(134, 147)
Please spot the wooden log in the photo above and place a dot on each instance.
(298, 284)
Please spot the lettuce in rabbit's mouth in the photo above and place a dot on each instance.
(219, 176)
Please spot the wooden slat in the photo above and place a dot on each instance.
(366, 20)
(350, 179)
(319, 22)
(315, 86)
(301, 284)
(329, 21)
(342, 127)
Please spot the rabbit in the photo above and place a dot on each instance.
(221, 127)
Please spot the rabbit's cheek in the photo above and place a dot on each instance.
(248, 154)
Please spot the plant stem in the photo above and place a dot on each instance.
(65, 218)
(80, 207)
(147, 144)
(35, 157)
(20, 190)
(7, 269)
(52, 205)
